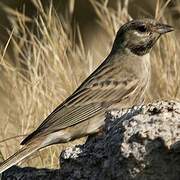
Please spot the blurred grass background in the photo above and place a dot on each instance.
(47, 48)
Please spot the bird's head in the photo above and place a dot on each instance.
(139, 36)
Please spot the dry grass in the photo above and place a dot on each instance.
(48, 66)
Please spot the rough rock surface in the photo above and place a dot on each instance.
(140, 144)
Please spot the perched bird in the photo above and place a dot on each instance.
(119, 82)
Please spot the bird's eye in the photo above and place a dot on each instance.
(142, 28)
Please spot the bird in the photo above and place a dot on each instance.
(120, 81)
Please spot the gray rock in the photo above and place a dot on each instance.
(142, 143)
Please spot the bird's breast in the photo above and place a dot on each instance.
(144, 77)
(146, 69)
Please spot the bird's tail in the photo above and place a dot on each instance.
(18, 156)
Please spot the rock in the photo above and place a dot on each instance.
(140, 144)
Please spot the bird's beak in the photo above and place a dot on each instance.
(163, 28)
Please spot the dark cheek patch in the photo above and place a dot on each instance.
(142, 49)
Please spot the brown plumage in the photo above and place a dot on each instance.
(119, 82)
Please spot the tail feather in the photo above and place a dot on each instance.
(18, 156)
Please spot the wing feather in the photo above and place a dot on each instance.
(94, 101)
(92, 98)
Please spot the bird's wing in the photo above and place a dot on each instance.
(89, 102)
(83, 105)
(90, 99)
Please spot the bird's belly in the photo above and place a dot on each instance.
(84, 128)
